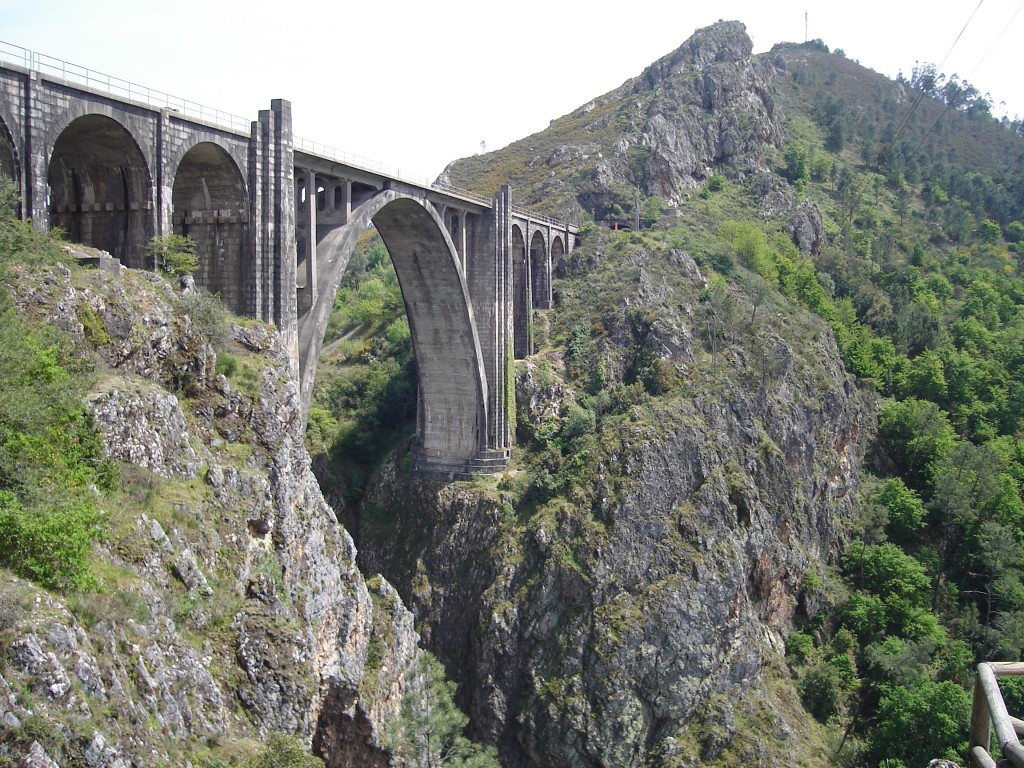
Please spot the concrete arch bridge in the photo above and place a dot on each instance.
(275, 220)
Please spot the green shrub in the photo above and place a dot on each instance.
(284, 751)
(821, 691)
(174, 255)
(51, 459)
(48, 544)
(578, 421)
(799, 645)
(227, 365)
(208, 314)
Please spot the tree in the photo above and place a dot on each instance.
(174, 254)
(719, 312)
(1015, 231)
(650, 210)
(989, 232)
(966, 479)
(907, 513)
(902, 201)
(925, 78)
(920, 722)
(758, 292)
(428, 731)
(912, 436)
(797, 162)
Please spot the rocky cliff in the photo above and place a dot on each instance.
(230, 606)
(621, 597)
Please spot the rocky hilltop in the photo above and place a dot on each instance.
(230, 605)
(705, 105)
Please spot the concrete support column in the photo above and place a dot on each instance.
(306, 252)
(546, 298)
(502, 391)
(346, 200)
(460, 243)
(37, 161)
(164, 190)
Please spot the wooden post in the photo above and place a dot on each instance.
(1009, 746)
(981, 722)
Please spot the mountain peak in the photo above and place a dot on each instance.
(723, 41)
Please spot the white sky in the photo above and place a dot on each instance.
(415, 85)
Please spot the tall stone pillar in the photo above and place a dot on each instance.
(503, 383)
(273, 216)
(460, 244)
(36, 160)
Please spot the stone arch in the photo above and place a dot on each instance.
(520, 295)
(452, 412)
(557, 250)
(540, 272)
(101, 188)
(208, 204)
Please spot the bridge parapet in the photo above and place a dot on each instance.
(115, 86)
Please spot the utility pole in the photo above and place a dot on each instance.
(805, 26)
(636, 206)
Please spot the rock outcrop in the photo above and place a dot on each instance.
(232, 606)
(705, 106)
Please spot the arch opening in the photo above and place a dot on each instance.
(101, 188)
(208, 204)
(540, 272)
(451, 401)
(520, 295)
(557, 250)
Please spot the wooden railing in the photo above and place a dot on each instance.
(988, 713)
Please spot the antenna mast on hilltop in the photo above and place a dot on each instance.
(805, 26)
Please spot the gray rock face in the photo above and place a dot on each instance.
(237, 609)
(145, 428)
(807, 228)
(709, 104)
(626, 619)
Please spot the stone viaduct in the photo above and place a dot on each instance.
(275, 221)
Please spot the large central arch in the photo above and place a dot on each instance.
(452, 413)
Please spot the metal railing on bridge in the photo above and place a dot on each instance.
(989, 713)
(116, 86)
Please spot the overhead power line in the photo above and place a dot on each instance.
(975, 69)
(917, 101)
